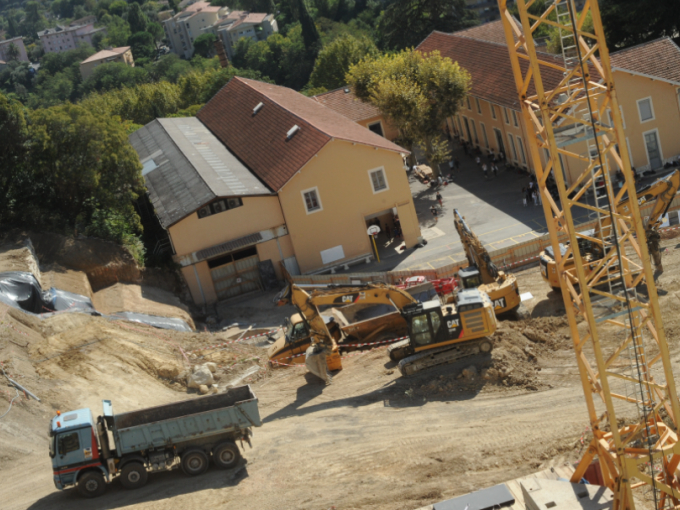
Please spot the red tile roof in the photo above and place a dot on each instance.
(346, 103)
(659, 58)
(489, 66)
(259, 139)
(491, 32)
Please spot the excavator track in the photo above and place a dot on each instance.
(397, 350)
(434, 357)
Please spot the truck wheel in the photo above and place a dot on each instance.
(194, 462)
(133, 476)
(226, 455)
(91, 484)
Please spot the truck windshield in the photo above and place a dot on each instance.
(52, 440)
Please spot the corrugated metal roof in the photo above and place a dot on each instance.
(186, 167)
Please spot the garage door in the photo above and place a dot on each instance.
(236, 273)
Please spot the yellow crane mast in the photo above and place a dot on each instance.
(620, 346)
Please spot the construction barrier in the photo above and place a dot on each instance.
(511, 257)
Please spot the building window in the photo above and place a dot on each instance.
(378, 180)
(520, 146)
(507, 119)
(512, 146)
(468, 104)
(486, 139)
(474, 132)
(219, 206)
(376, 127)
(311, 199)
(646, 109)
(493, 112)
(479, 106)
(514, 118)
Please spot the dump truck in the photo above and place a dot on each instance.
(89, 454)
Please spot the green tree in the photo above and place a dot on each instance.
(142, 44)
(12, 25)
(169, 68)
(118, 8)
(204, 44)
(117, 31)
(309, 32)
(416, 92)
(405, 23)
(156, 30)
(114, 75)
(85, 161)
(336, 58)
(13, 51)
(137, 19)
(628, 23)
(13, 168)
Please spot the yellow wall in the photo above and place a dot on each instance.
(340, 171)
(269, 250)
(630, 88)
(257, 213)
(206, 284)
(389, 131)
(88, 68)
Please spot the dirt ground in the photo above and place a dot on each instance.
(372, 440)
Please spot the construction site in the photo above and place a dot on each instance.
(540, 383)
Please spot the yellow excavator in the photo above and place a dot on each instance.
(437, 334)
(663, 190)
(483, 274)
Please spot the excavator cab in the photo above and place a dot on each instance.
(469, 277)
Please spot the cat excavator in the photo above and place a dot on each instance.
(437, 334)
(662, 190)
(483, 274)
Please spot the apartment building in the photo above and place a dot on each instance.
(239, 24)
(19, 43)
(183, 28)
(60, 38)
(123, 54)
(647, 82)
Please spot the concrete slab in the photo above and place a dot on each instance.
(563, 495)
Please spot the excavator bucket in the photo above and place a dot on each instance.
(315, 360)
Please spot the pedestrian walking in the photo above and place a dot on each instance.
(456, 163)
(527, 196)
(484, 169)
(451, 166)
(494, 169)
(524, 196)
(535, 194)
(433, 210)
(501, 156)
(439, 198)
(478, 160)
(440, 181)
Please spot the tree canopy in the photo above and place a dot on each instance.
(416, 92)
(335, 59)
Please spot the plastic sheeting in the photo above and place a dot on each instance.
(21, 290)
(152, 320)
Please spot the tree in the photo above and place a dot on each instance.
(137, 19)
(204, 44)
(416, 92)
(628, 22)
(12, 25)
(309, 32)
(142, 44)
(156, 30)
(13, 52)
(13, 166)
(336, 58)
(405, 23)
(114, 75)
(118, 8)
(86, 162)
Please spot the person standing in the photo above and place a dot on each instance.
(440, 181)
(494, 169)
(478, 160)
(439, 198)
(527, 195)
(535, 194)
(524, 196)
(433, 210)
(484, 169)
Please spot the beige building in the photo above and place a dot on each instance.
(184, 27)
(344, 101)
(19, 43)
(242, 24)
(59, 39)
(647, 82)
(123, 54)
(265, 176)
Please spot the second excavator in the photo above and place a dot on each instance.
(662, 192)
(483, 274)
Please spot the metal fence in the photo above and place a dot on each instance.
(510, 257)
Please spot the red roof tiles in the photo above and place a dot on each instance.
(259, 139)
(659, 58)
(346, 103)
(490, 32)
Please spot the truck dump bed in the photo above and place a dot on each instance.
(155, 427)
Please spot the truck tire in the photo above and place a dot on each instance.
(91, 484)
(194, 462)
(226, 455)
(133, 476)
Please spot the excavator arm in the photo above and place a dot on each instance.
(323, 344)
(475, 251)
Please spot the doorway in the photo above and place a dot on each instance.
(499, 141)
(235, 273)
(653, 150)
(467, 128)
